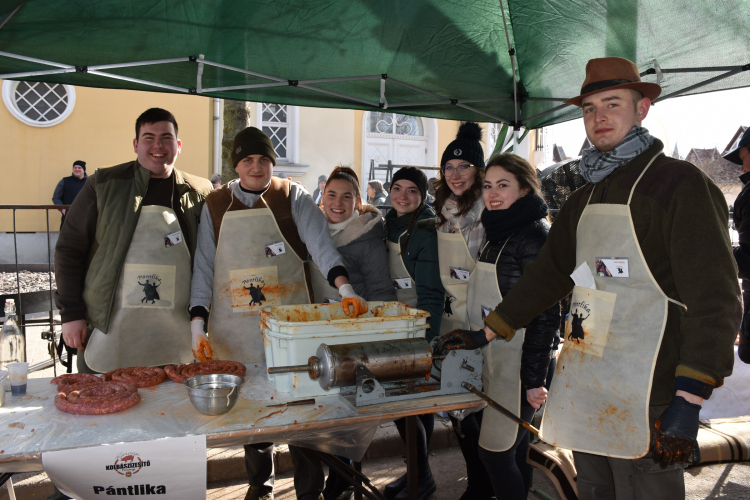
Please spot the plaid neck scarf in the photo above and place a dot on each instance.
(597, 165)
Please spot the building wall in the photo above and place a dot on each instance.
(99, 131)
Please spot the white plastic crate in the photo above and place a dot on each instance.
(292, 334)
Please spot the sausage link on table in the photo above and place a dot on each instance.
(139, 376)
(180, 373)
(97, 399)
(68, 379)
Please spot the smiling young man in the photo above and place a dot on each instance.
(259, 229)
(658, 336)
(115, 237)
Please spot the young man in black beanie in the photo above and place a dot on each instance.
(254, 237)
(69, 187)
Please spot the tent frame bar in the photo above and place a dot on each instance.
(307, 84)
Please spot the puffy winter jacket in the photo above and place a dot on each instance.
(542, 333)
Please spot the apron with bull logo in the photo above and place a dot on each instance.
(501, 371)
(149, 325)
(599, 398)
(255, 266)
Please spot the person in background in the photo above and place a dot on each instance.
(276, 223)
(69, 187)
(357, 231)
(376, 195)
(516, 228)
(413, 263)
(741, 156)
(318, 193)
(459, 205)
(431, 191)
(216, 181)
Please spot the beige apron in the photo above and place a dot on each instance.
(246, 278)
(323, 292)
(599, 398)
(149, 324)
(501, 372)
(456, 265)
(406, 287)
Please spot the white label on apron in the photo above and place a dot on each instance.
(587, 327)
(254, 288)
(276, 248)
(148, 285)
(170, 217)
(401, 283)
(172, 239)
(612, 268)
(485, 311)
(460, 273)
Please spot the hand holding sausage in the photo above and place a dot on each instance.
(201, 346)
(350, 298)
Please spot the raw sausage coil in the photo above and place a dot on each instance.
(139, 376)
(97, 399)
(180, 373)
(68, 379)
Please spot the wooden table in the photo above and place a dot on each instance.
(31, 425)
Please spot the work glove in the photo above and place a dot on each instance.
(461, 339)
(201, 346)
(349, 298)
(674, 438)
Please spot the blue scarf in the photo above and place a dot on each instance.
(595, 165)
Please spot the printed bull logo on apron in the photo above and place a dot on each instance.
(246, 279)
(148, 325)
(598, 401)
(501, 372)
(456, 267)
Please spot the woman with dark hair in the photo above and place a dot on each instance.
(376, 195)
(413, 258)
(459, 205)
(357, 231)
(515, 372)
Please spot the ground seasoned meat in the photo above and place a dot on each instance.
(97, 399)
(180, 373)
(68, 379)
(139, 376)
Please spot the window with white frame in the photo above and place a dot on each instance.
(39, 104)
(280, 122)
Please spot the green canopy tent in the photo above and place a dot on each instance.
(508, 61)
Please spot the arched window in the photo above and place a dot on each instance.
(393, 124)
(39, 104)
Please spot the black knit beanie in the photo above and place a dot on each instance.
(467, 146)
(81, 163)
(412, 174)
(252, 141)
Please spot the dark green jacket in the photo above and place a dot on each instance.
(421, 261)
(117, 193)
(681, 222)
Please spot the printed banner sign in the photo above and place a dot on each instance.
(172, 468)
(253, 288)
(148, 286)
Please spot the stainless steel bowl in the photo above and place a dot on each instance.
(214, 394)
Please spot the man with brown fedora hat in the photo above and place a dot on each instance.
(645, 250)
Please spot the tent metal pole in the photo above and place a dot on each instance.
(217, 135)
(138, 63)
(342, 96)
(650, 71)
(475, 110)
(138, 80)
(35, 60)
(341, 79)
(284, 83)
(416, 103)
(243, 71)
(556, 108)
(512, 53)
(39, 73)
(489, 99)
(199, 75)
(703, 84)
(551, 99)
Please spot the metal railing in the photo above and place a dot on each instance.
(32, 302)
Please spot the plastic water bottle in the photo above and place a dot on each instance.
(12, 341)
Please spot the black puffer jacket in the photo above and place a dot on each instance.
(542, 334)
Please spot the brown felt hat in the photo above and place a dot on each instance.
(613, 73)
